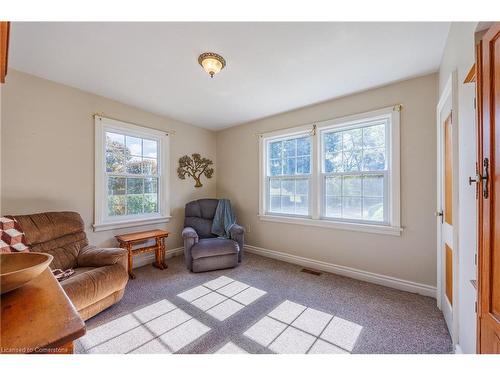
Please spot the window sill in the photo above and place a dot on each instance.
(368, 228)
(130, 223)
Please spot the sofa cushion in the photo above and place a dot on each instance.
(60, 234)
(91, 284)
(92, 256)
(48, 226)
(64, 250)
(210, 247)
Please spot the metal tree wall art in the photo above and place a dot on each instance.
(195, 166)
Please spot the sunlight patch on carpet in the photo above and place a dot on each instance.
(231, 348)
(160, 327)
(292, 328)
(222, 297)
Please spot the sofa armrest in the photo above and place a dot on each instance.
(91, 256)
(237, 233)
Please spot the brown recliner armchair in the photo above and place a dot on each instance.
(100, 273)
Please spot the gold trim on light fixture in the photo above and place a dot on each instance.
(211, 62)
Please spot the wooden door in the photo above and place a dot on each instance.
(445, 209)
(447, 222)
(488, 83)
(4, 49)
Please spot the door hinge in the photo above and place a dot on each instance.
(475, 307)
(475, 180)
(475, 259)
(474, 103)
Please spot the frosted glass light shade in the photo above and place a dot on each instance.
(212, 63)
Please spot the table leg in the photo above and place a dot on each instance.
(157, 255)
(159, 262)
(130, 262)
(163, 251)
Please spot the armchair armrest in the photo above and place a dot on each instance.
(189, 232)
(237, 233)
(91, 256)
(236, 230)
(190, 239)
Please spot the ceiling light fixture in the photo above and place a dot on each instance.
(212, 63)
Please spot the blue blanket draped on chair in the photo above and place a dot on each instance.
(224, 219)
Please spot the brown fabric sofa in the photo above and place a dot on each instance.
(100, 273)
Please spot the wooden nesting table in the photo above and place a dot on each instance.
(127, 241)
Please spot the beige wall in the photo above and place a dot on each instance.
(411, 256)
(48, 156)
(48, 152)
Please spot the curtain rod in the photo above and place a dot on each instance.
(101, 115)
(396, 108)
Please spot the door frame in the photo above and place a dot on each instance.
(450, 92)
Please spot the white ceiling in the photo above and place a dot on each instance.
(271, 67)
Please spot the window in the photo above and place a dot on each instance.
(289, 175)
(131, 175)
(355, 172)
(353, 185)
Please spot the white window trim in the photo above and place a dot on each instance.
(334, 224)
(393, 225)
(101, 221)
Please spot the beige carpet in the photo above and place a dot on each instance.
(263, 306)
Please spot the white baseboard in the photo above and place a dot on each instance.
(148, 258)
(458, 349)
(389, 281)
